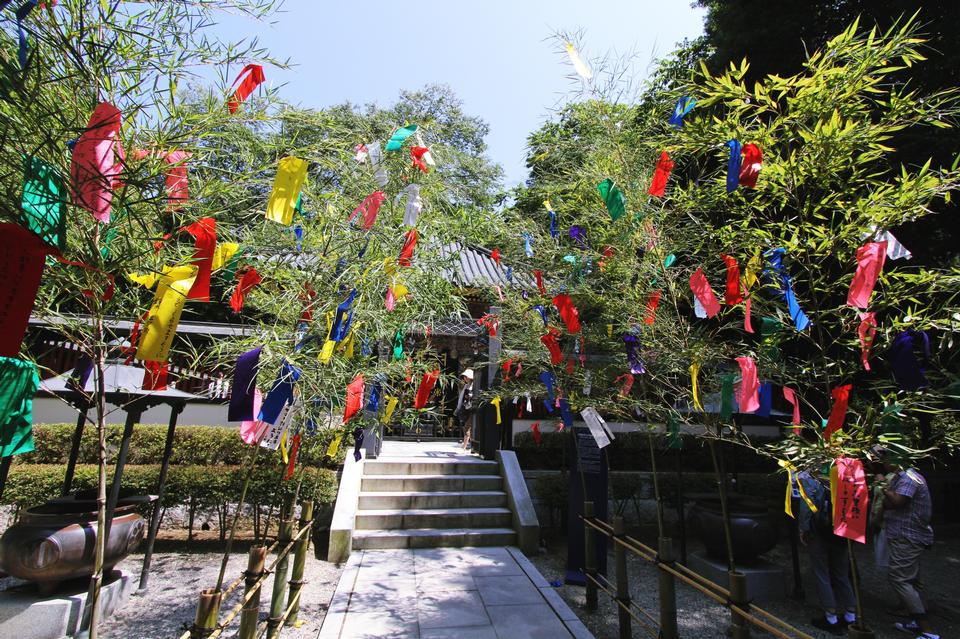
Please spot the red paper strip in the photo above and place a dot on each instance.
(568, 312)
(838, 414)
(627, 385)
(21, 265)
(294, 448)
(750, 166)
(569, 366)
(791, 396)
(850, 506)
(178, 191)
(107, 293)
(661, 174)
(550, 341)
(253, 77)
(155, 376)
(870, 259)
(749, 386)
(204, 232)
(495, 256)
(507, 365)
(248, 280)
(867, 331)
(425, 388)
(701, 289)
(535, 429)
(653, 301)
(416, 154)
(354, 398)
(406, 253)
(97, 162)
(732, 294)
(538, 275)
(747, 326)
(370, 207)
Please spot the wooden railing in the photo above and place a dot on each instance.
(207, 623)
(743, 613)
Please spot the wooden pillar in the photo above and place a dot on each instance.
(74, 450)
(134, 410)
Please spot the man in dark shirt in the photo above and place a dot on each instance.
(906, 520)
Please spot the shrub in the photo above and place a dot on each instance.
(630, 451)
(192, 445)
(32, 484)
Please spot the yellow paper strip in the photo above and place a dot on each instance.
(388, 411)
(291, 172)
(161, 323)
(694, 376)
(496, 402)
(223, 253)
(334, 446)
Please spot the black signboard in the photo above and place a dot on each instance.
(588, 457)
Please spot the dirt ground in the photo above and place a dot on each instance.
(178, 574)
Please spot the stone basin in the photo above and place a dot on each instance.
(753, 528)
(56, 541)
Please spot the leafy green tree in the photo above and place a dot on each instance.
(129, 57)
(825, 188)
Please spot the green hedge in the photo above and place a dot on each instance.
(192, 445)
(32, 484)
(630, 451)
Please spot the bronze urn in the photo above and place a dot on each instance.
(56, 542)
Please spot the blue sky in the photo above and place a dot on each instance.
(496, 55)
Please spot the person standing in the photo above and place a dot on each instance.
(906, 521)
(829, 559)
(464, 410)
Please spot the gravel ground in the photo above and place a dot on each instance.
(699, 617)
(168, 607)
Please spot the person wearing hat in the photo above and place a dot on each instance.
(906, 523)
(464, 410)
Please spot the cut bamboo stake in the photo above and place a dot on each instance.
(299, 563)
(280, 579)
(251, 610)
(208, 610)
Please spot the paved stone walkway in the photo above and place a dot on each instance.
(439, 593)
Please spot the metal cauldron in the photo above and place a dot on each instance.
(753, 527)
(56, 542)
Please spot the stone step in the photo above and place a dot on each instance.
(383, 483)
(411, 499)
(394, 467)
(391, 519)
(432, 538)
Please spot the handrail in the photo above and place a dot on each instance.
(748, 611)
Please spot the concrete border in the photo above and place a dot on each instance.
(525, 521)
(345, 511)
(27, 615)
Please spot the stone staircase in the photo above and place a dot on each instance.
(429, 504)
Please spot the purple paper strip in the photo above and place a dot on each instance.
(244, 384)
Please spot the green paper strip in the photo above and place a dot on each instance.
(396, 140)
(42, 202)
(230, 270)
(726, 396)
(398, 345)
(18, 385)
(669, 260)
(613, 198)
(674, 441)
